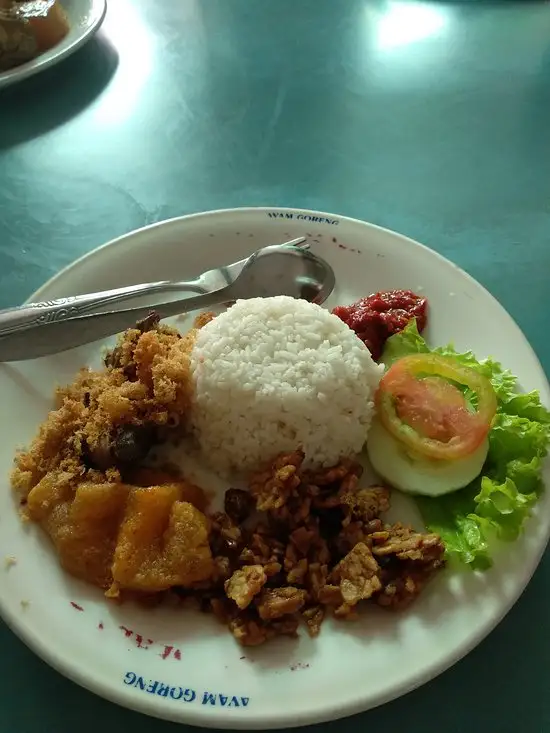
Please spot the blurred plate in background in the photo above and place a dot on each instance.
(85, 17)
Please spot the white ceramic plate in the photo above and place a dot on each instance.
(85, 17)
(184, 666)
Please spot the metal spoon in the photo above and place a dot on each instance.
(274, 270)
(145, 294)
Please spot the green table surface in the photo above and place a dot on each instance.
(428, 118)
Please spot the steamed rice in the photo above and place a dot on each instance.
(277, 374)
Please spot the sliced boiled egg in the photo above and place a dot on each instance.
(407, 471)
(428, 437)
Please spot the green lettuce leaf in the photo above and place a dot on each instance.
(407, 342)
(503, 506)
(497, 503)
(528, 405)
(461, 532)
(516, 437)
(527, 476)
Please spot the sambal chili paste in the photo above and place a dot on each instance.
(377, 317)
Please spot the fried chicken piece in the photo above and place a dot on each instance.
(364, 504)
(315, 579)
(398, 593)
(325, 531)
(244, 584)
(409, 560)
(406, 544)
(277, 602)
(203, 318)
(327, 485)
(225, 536)
(296, 575)
(330, 595)
(303, 539)
(313, 618)
(334, 475)
(357, 575)
(250, 631)
(273, 487)
(354, 532)
(286, 626)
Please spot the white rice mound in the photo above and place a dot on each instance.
(277, 374)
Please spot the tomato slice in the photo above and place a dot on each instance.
(420, 404)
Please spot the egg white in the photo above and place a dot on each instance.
(417, 475)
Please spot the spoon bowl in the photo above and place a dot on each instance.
(277, 270)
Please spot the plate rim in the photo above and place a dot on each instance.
(330, 712)
(52, 57)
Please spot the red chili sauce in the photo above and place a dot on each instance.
(377, 317)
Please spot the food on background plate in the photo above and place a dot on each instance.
(281, 394)
(28, 28)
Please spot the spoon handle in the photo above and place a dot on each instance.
(42, 313)
(44, 339)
